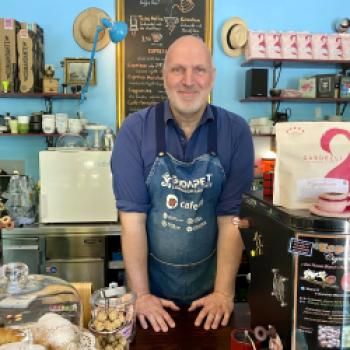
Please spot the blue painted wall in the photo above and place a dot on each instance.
(57, 17)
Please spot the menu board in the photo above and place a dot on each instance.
(322, 305)
(153, 26)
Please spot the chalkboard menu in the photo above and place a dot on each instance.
(153, 26)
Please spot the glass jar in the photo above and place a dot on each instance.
(113, 317)
(47, 307)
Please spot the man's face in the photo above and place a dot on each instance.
(188, 76)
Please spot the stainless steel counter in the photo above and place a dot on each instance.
(74, 252)
(62, 229)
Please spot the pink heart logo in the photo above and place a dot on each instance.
(341, 171)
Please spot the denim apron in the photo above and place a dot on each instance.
(182, 223)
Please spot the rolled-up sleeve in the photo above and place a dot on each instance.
(127, 167)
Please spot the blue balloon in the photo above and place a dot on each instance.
(118, 31)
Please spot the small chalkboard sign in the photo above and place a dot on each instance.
(153, 26)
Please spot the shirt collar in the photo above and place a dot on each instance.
(207, 115)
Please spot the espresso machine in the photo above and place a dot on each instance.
(300, 274)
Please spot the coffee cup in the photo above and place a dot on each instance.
(74, 125)
(243, 339)
(48, 123)
(333, 202)
(62, 122)
(23, 124)
(13, 126)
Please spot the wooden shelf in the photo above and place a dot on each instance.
(271, 62)
(29, 134)
(296, 99)
(41, 95)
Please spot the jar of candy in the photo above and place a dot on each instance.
(113, 317)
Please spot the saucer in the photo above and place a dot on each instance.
(316, 210)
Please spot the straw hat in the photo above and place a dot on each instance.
(234, 35)
(84, 29)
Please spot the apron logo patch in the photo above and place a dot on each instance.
(187, 186)
(172, 201)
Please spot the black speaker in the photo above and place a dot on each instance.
(256, 82)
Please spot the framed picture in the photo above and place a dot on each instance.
(76, 70)
(140, 56)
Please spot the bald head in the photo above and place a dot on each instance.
(188, 43)
(188, 75)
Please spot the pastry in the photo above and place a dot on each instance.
(56, 333)
(10, 335)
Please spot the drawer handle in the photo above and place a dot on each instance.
(92, 241)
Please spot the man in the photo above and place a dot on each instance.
(179, 172)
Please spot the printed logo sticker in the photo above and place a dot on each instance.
(172, 201)
(300, 247)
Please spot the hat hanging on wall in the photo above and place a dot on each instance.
(234, 36)
(84, 29)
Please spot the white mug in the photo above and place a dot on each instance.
(61, 122)
(75, 126)
(48, 123)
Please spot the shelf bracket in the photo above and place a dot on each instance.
(276, 65)
(340, 111)
(48, 104)
(50, 141)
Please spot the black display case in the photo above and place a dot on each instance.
(300, 274)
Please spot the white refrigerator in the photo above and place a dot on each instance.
(76, 186)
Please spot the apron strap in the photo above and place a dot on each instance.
(160, 131)
(212, 132)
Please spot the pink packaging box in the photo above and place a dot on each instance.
(304, 41)
(320, 50)
(289, 45)
(335, 47)
(256, 45)
(345, 39)
(273, 45)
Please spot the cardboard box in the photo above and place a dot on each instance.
(39, 58)
(345, 39)
(8, 53)
(307, 87)
(325, 84)
(320, 50)
(256, 45)
(26, 59)
(50, 85)
(304, 41)
(273, 45)
(289, 45)
(345, 87)
(335, 47)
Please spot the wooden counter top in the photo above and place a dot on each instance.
(185, 336)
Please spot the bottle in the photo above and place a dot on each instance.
(108, 140)
(7, 119)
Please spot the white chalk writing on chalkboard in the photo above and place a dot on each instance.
(153, 26)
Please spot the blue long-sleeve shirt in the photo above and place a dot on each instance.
(135, 152)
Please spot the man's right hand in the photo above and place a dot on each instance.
(151, 309)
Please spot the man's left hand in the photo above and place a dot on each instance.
(216, 310)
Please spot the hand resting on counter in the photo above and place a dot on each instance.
(151, 309)
(216, 310)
